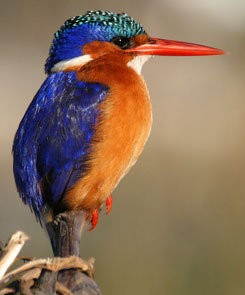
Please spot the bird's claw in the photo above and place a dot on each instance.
(95, 218)
(108, 204)
(95, 213)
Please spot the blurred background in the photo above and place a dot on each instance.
(178, 220)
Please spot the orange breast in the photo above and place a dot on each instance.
(120, 135)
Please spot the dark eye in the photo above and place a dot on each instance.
(122, 42)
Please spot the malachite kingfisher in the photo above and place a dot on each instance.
(90, 120)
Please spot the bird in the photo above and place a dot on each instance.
(90, 119)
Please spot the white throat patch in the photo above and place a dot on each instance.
(76, 61)
(137, 62)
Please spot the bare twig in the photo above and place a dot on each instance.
(62, 289)
(51, 276)
(53, 264)
(11, 250)
(7, 291)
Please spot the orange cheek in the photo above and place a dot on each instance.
(97, 48)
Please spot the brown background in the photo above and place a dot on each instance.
(178, 220)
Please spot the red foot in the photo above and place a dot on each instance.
(108, 204)
(95, 218)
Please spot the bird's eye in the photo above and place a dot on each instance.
(122, 42)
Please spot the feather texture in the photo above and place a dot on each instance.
(53, 140)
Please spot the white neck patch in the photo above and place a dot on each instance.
(76, 61)
(137, 62)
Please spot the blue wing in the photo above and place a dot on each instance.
(53, 140)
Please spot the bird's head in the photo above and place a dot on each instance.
(97, 33)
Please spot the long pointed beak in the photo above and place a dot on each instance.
(157, 46)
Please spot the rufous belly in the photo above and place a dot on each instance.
(121, 132)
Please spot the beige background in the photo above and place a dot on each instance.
(178, 220)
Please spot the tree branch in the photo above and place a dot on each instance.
(64, 274)
(11, 250)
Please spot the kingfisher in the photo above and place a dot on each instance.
(90, 119)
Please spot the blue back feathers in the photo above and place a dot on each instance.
(93, 26)
(52, 143)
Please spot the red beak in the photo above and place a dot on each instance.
(169, 47)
